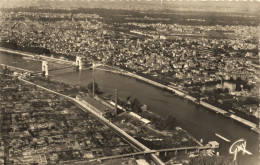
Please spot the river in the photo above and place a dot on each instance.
(198, 121)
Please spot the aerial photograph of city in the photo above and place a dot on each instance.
(129, 82)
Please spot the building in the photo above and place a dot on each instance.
(229, 100)
(209, 88)
(230, 86)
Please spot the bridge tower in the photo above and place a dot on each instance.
(93, 65)
(79, 62)
(45, 68)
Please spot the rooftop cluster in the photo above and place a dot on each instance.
(41, 127)
(190, 58)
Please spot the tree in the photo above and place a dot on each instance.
(6, 71)
(226, 90)
(128, 102)
(90, 87)
(128, 98)
(136, 106)
(83, 89)
(170, 122)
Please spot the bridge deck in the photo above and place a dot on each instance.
(153, 151)
(15, 68)
(36, 56)
(185, 148)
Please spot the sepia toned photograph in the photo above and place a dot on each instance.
(129, 82)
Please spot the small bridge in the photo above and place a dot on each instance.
(45, 60)
(45, 67)
(77, 64)
(186, 149)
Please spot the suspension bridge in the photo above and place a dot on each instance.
(45, 68)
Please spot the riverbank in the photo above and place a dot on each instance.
(253, 126)
(183, 135)
(178, 136)
(155, 119)
(36, 56)
(92, 110)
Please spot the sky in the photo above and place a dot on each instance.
(186, 5)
